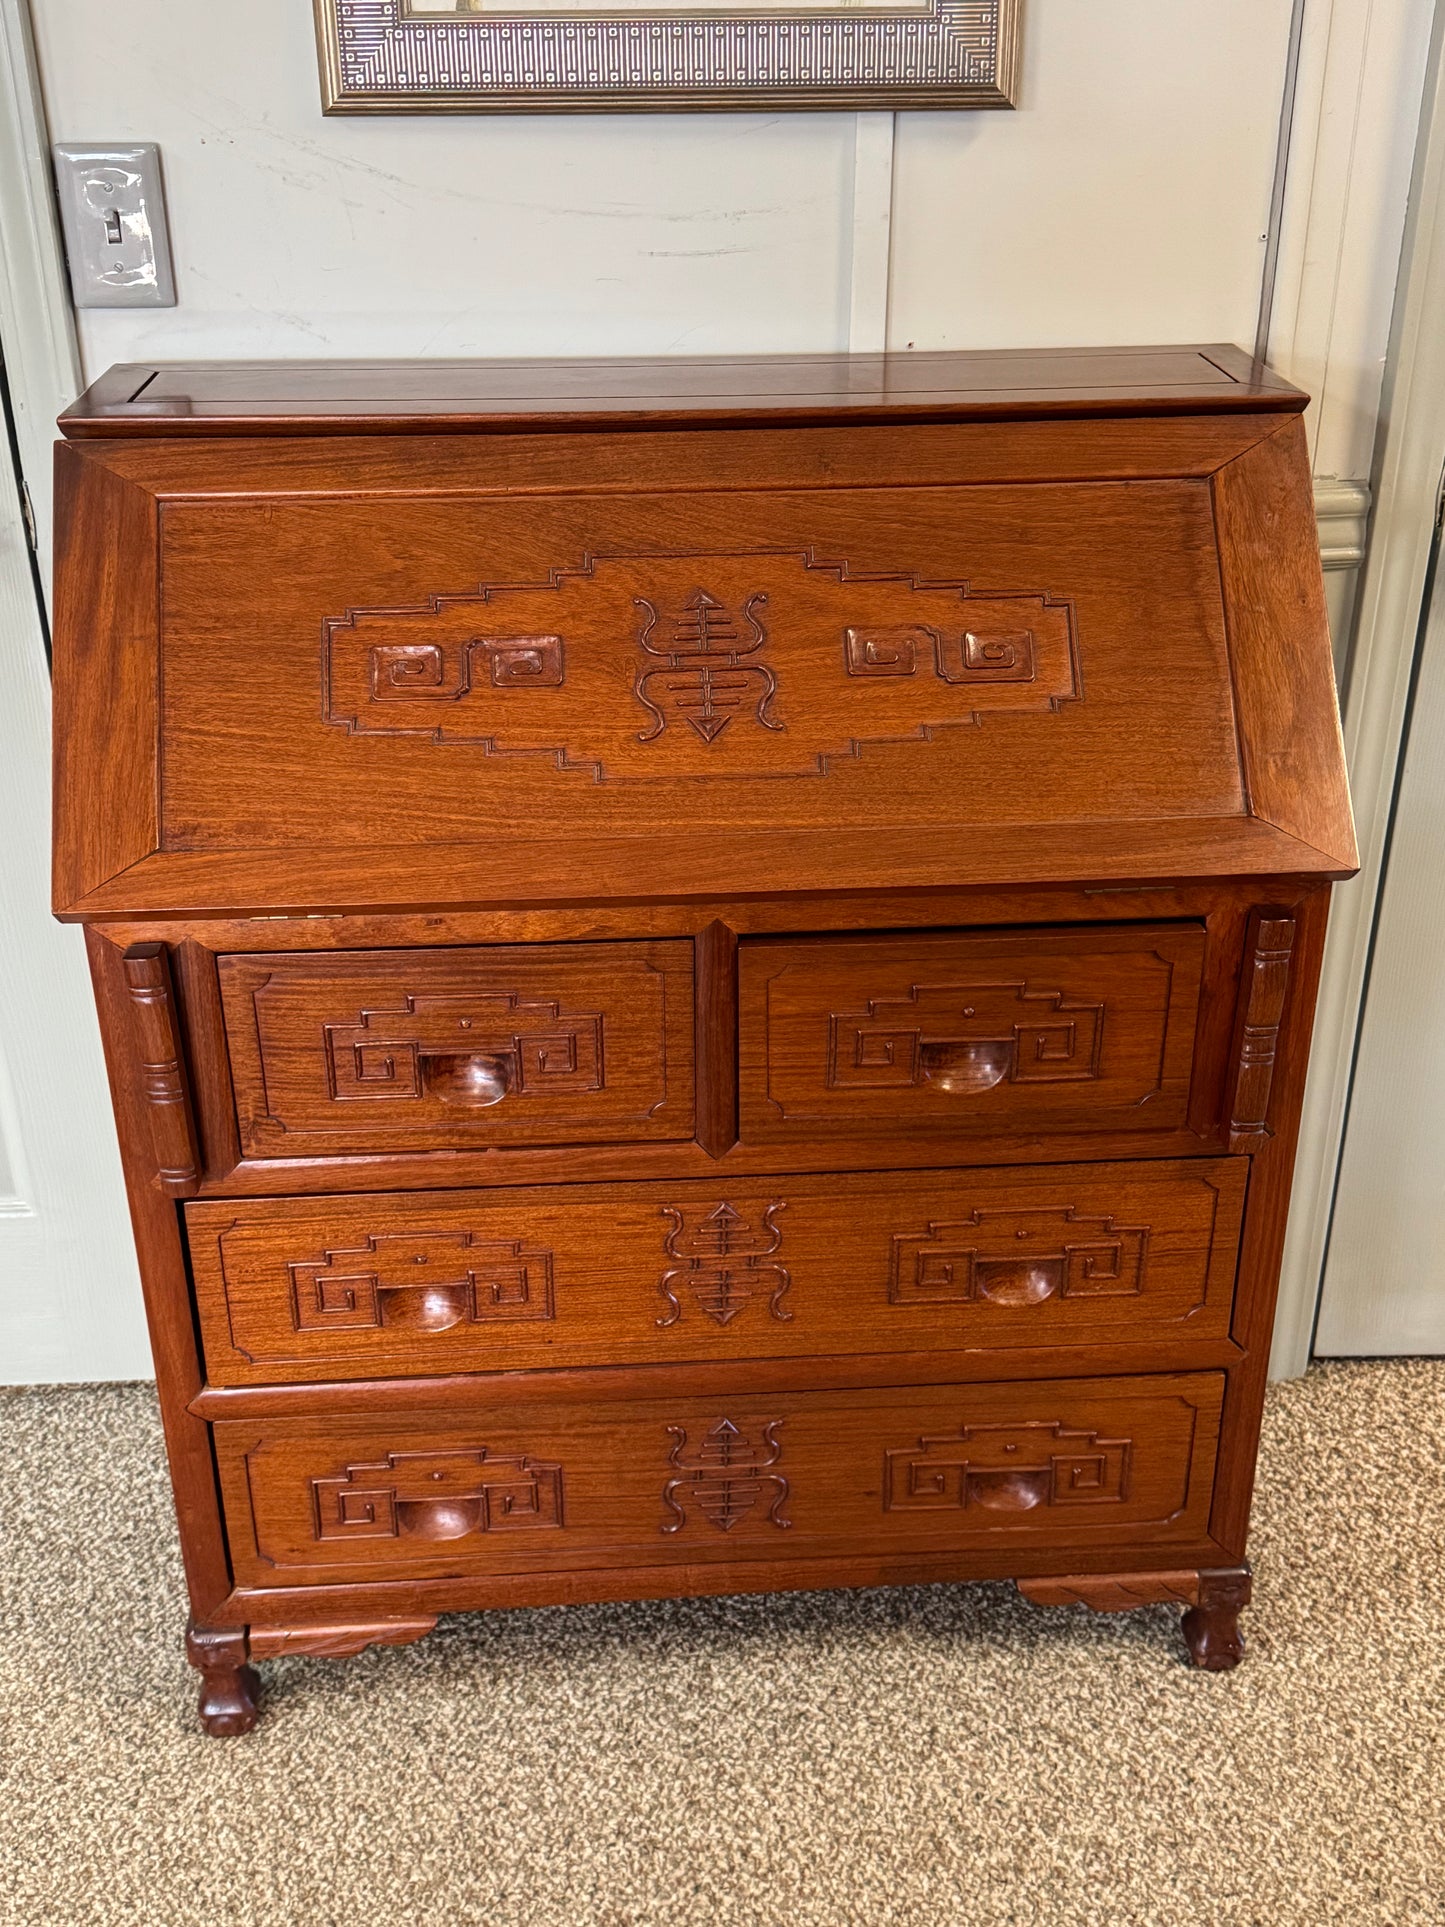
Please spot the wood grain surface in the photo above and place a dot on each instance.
(704, 934)
(1048, 1257)
(676, 1480)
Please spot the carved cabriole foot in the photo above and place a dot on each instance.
(1211, 1627)
(1213, 1603)
(229, 1687)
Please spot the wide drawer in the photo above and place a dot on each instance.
(1010, 1035)
(1071, 1255)
(492, 1488)
(460, 1049)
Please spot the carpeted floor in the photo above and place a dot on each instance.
(931, 1758)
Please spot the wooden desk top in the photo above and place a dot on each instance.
(369, 397)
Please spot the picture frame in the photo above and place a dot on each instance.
(681, 56)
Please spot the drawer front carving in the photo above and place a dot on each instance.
(437, 1495)
(551, 1486)
(1007, 1468)
(1068, 1255)
(421, 1050)
(1081, 1030)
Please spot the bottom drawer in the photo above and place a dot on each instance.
(492, 1489)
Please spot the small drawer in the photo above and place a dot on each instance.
(430, 1050)
(430, 1284)
(1072, 1465)
(1007, 1036)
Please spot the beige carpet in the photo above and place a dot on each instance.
(933, 1758)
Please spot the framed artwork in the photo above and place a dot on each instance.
(591, 56)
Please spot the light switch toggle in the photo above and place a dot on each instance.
(112, 209)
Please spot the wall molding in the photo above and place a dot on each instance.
(1342, 515)
(1353, 120)
(37, 323)
(1407, 480)
(870, 249)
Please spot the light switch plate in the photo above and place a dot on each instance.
(113, 211)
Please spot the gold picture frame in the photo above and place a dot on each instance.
(599, 56)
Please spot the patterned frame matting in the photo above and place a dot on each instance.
(549, 56)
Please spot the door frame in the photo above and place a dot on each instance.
(70, 1304)
(1409, 465)
(37, 322)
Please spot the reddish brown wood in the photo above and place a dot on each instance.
(229, 1687)
(1211, 1626)
(1271, 1171)
(1289, 722)
(198, 1003)
(1213, 1600)
(801, 725)
(963, 1036)
(1079, 1463)
(1265, 985)
(207, 398)
(687, 461)
(162, 1084)
(164, 1282)
(1000, 1558)
(1050, 1258)
(1114, 1592)
(105, 631)
(429, 733)
(459, 1049)
(335, 1642)
(715, 977)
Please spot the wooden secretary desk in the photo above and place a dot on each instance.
(706, 967)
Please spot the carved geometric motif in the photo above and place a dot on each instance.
(722, 1262)
(428, 1280)
(955, 656)
(563, 670)
(438, 1495)
(538, 1049)
(403, 671)
(725, 1477)
(1006, 1468)
(962, 1037)
(706, 679)
(1018, 1258)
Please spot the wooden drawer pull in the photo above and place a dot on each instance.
(477, 1079)
(1019, 1281)
(424, 1308)
(1010, 1491)
(970, 1064)
(163, 1078)
(451, 1518)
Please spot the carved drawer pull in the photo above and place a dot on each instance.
(424, 1308)
(974, 1064)
(1011, 1491)
(452, 1518)
(1018, 1281)
(456, 1077)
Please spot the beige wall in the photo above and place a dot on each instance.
(1125, 201)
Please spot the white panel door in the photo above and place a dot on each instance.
(1384, 1284)
(70, 1304)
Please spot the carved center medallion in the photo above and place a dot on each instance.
(725, 1477)
(706, 678)
(722, 1262)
